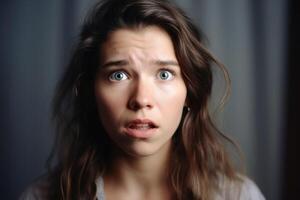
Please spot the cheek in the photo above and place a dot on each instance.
(109, 106)
(172, 106)
(173, 96)
(173, 111)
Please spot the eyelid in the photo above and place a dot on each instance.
(168, 69)
(111, 73)
(171, 71)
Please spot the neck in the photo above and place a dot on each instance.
(142, 173)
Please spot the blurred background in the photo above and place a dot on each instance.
(257, 40)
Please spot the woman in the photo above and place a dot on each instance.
(132, 112)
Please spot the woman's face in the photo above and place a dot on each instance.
(140, 93)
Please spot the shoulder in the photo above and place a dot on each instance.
(37, 190)
(242, 189)
(100, 188)
(249, 190)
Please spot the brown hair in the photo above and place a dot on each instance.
(82, 147)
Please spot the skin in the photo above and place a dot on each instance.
(139, 79)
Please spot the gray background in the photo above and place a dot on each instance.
(249, 37)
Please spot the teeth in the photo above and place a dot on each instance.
(140, 126)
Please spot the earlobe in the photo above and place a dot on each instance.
(77, 85)
(75, 91)
(186, 107)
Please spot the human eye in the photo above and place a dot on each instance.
(118, 76)
(165, 74)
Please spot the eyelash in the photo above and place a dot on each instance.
(172, 72)
(110, 77)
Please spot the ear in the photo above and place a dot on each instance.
(186, 103)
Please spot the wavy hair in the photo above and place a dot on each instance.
(82, 148)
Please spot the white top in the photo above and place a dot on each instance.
(229, 191)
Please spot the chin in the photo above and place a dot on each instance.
(144, 149)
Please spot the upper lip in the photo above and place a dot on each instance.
(140, 122)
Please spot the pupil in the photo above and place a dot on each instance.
(119, 76)
(164, 75)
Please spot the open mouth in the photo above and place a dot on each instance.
(141, 124)
(141, 128)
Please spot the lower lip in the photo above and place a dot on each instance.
(140, 133)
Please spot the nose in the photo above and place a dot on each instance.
(141, 95)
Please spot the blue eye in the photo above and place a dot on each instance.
(118, 76)
(165, 75)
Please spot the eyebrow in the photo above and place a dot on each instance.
(166, 62)
(125, 62)
(115, 63)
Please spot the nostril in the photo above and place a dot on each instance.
(137, 103)
(134, 105)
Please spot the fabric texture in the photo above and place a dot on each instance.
(228, 190)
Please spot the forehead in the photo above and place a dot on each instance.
(144, 40)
